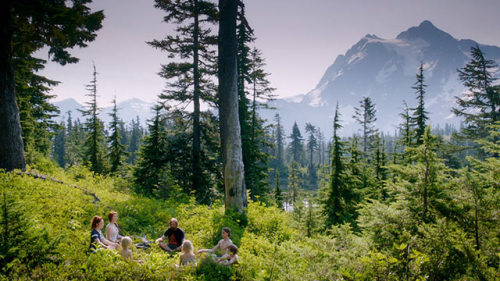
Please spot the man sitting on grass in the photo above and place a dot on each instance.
(174, 236)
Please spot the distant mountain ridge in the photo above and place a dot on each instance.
(127, 110)
(385, 70)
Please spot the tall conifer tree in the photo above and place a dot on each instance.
(334, 205)
(365, 115)
(230, 132)
(94, 146)
(189, 79)
(296, 146)
(151, 161)
(30, 26)
(481, 103)
(117, 151)
(420, 117)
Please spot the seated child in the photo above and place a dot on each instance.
(187, 255)
(126, 253)
(231, 257)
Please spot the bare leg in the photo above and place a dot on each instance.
(164, 246)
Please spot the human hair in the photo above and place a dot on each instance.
(111, 214)
(187, 247)
(95, 221)
(110, 218)
(233, 249)
(227, 230)
(126, 242)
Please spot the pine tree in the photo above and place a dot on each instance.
(419, 118)
(94, 146)
(480, 105)
(30, 26)
(365, 115)
(190, 79)
(117, 151)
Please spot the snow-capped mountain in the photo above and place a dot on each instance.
(127, 110)
(385, 70)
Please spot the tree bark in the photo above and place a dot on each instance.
(234, 181)
(11, 142)
(196, 110)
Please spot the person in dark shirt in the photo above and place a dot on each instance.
(174, 236)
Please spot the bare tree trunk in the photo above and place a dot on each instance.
(11, 142)
(234, 181)
(196, 111)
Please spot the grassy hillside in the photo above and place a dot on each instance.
(46, 225)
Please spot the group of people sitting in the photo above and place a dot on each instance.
(171, 241)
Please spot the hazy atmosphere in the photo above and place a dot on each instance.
(299, 40)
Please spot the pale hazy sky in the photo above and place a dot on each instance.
(299, 40)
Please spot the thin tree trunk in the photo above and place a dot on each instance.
(11, 142)
(234, 180)
(476, 223)
(196, 112)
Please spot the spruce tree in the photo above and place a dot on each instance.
(406, 131)
(59, 146)
(419, 118)
(280, 142)
(189, 80)
(277, 191)
(151, 162)
(294, 181)
(480, 105)
(296, 146)
(36, 112)
(30, 26)
(365, 115)
(117, 151)
(334, 205)
(74, 141)
(136, 135)
(94, 146)
(312, 146)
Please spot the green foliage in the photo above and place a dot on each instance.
(95, 144)
(390, 242)
(365, 115)
(419, 118)
(117, 151)
(480, 104)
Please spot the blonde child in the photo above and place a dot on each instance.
(187, 255)
(126, 253)
(231, 257)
